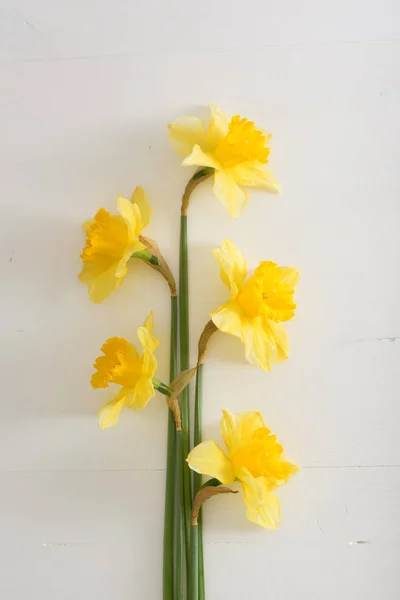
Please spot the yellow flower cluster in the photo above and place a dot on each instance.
(122, 364)
(256, 308)
(111, 240)
(254, 458)
(235, 148)
(235, 152)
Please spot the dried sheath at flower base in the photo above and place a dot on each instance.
(205, 494)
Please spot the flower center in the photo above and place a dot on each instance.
(243, 143)
(120, 364)
(263, 457)
(271, 298)
(268, 293)
(258, 456)
(107, 236)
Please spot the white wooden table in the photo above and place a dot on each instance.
(86, 91)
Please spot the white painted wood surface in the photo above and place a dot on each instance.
(86, 91)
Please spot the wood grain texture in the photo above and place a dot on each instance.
(80, 509)
(44, 30)
(97, 535)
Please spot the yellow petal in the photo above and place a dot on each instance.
(289, 276)
(149, 344)
(260, 348)
(268, 136)
(287, 470)
(131, 215)
(149, 363)
(86, 225)
(199, 158)
(101, 279)
(119, 361)
(109, 413)
(278, 335)
(237, 430)
(219, 124)
(94, 268)
(209, 459)
(140, 199)
(270, 292)
(120, 364)
(144, 391)
(121, 269)
(231, 196)
(110, 242)
(185, 132)
(263, 507)
(255, 174)
(227, 319)
(146, 334)
(244, 143)
(149, 324)
(233, 266)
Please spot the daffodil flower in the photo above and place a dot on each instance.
(234, 148)
(111, 240)
(121, 364)
(254, 457)
(256, 308)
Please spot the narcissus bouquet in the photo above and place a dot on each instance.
(234, 152)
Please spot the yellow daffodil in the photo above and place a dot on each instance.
(121, 364)
(256, 307)
(235, 148)
(254, 457)
(110, 242)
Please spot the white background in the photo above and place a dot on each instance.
(86, 91)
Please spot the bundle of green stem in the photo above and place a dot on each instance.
(183, 567)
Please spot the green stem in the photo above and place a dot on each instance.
(184, 364)
(198, 436)
(198, 177)
(202, 591)
(194, 564)
(205, 171)
(180, 557)
(161, 387)
(146, 256)
(169, 525)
